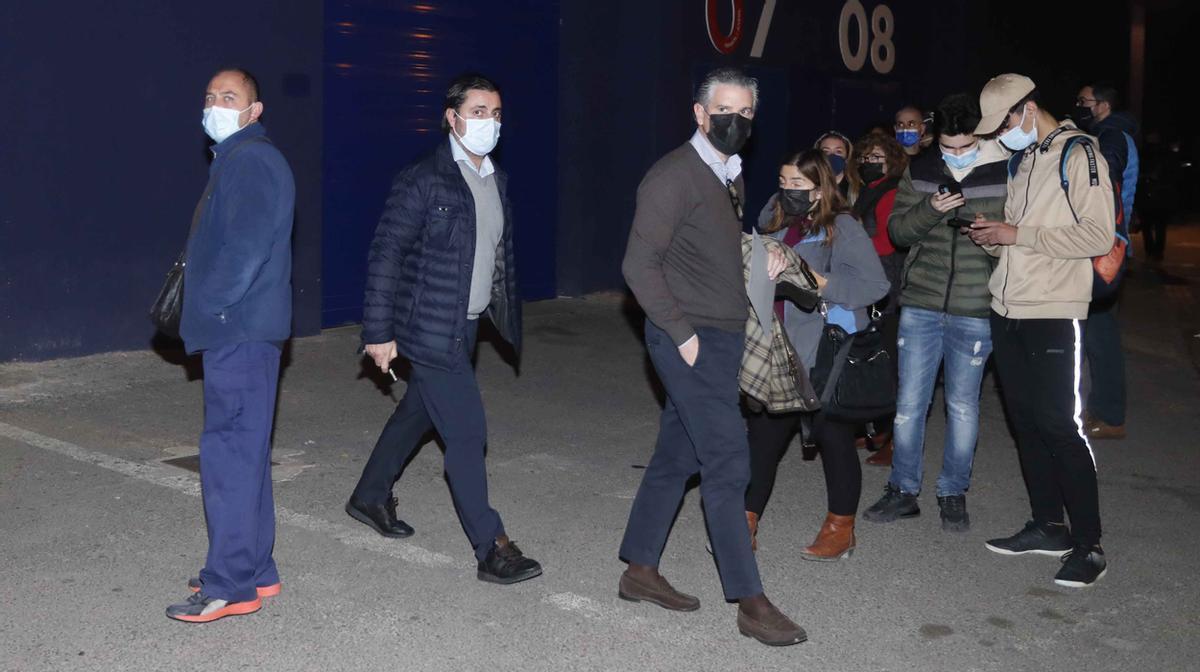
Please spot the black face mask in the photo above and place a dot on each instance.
(870, 171)
(1083, 117)
(795, 202)
(728, 132)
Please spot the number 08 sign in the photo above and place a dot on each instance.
(872, 39)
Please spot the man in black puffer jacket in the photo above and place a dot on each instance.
(441, 258)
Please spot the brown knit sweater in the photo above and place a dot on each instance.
(684, 256)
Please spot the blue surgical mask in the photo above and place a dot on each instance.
(836, 163)
(1016, 139)
(908, 137)
(961, 161)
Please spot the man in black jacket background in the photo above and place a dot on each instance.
(442, 257)
(1096, 107)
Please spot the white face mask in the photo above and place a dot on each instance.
(1017, 139)
(481, 136)
(221, 122)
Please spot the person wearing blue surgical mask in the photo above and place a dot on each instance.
(945, 308)
(839, 151)
(911, 131)
(1042, 287)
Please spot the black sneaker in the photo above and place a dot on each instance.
(1041, 538)
(1082, 566)
(505, 563)
(894, 504)
(954, 513)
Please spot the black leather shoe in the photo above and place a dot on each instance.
(379, 517)
(505, 563)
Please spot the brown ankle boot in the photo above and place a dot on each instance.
(883, 456)
(752, 522)
(835, 540)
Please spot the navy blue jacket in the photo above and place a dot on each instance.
(1113, 145)
(238, 279)
(419, 267)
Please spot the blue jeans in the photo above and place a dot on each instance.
(927, 338)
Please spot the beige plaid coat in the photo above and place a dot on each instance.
(772, 376)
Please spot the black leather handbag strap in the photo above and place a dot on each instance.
(835, 371)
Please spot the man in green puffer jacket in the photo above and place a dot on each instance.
(945, 306)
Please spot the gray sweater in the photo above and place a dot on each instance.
(854, 274)
(684, 256)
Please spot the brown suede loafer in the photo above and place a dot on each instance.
(1099, 429)
(774, 630)
(658, 592)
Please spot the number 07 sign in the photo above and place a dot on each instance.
(872, 39)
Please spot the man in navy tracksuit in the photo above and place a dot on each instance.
(237, 312)
(442, 258)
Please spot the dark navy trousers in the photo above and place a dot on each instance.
(448, 401)
(1106, 362)
(240, 384)
(701, 430)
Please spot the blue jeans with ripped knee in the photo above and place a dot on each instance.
(927, 338)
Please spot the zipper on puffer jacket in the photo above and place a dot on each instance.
(950, 280)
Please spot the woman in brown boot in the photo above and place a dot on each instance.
(810, 215)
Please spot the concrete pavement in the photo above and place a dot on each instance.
(98, 534)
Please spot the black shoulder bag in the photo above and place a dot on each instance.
(167, 310)
(854, 373)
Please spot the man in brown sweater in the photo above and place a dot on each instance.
(684, 265)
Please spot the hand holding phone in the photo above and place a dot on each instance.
(945, 201)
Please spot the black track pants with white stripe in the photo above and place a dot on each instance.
(1040, 366)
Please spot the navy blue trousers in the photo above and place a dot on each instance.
(701, 430)
(240, 384)
(1106, 361)
(448, 401)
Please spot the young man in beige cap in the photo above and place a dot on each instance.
(1040, 290)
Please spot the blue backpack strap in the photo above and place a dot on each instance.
(1014, 163)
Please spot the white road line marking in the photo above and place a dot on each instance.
(576, 603)
(188, 484)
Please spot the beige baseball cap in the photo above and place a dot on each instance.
(998, 97)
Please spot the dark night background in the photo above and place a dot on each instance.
(103, 155)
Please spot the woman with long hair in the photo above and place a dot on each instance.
(811, 216)
(845, 166)
(882, 163)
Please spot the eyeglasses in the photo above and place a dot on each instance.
(873, 158)
(734, 199)
(1083, 102)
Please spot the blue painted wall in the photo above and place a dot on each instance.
(102, 157)
(387, 66)
(629, 69)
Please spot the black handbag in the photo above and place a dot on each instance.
(167, 311)
(855, 373)
(168, 307)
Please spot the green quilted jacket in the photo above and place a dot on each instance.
(944, 270)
